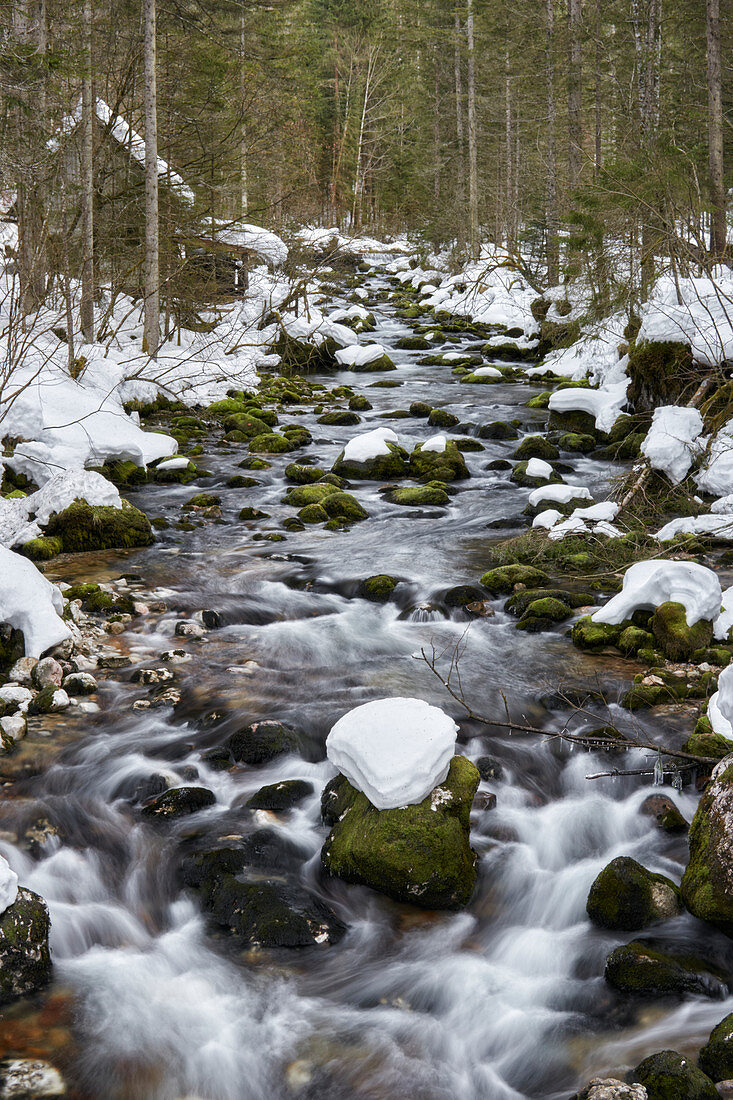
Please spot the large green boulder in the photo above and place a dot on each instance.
(675, 638)
(588, 634)
(84, 526)
(645, 968)
(25, 959)
(503, 579)
(416, 496)
(447, 465)
(707, 884)
(378, 588)
(626, 896)
(418, 854)
(716, 1057)
(536, 446)
(670, 1076)
(385, 467)
(308, 494)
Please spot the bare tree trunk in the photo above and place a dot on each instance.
(243, 180)
(436, 134)
(459, 103)
(553, 244)
(472, 149)
(152, 280)
(508, 228)
(598, 97)
(575, 135)
(648, 47)
(87, 182)
(715, 131)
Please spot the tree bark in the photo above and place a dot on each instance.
(553, 245)
(152, 280)
(472, 149)
(715, 131)
(598, 95)
(575, 134)
(87, 183)
(243, 180)
(459, 104)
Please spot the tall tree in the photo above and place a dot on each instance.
(551, 220)
(152, 252)
(87, 181)
(575, 85)
(715, 130)
(472, 138)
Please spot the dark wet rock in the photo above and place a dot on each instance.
(80, 683)
(489, 768)
(250, 513)
(150, 787)
(25, 959)
(51, 700)
(239, 481)
(254, 744)
(187, 628)
(180, 801)
(211, 619)
(441, 418)
(716, 1057)
(463, 594)
(707, 884)
(273, 914)
(499, 464)
(670, 1076)
(378, 588)
(665, 813)
(418, 854)
(497, 429)
(359, 403)
(12, 648)
(303, 475)
(645, 968)
(503, 578)
(280, 796)
(420, 408)
(626, 896)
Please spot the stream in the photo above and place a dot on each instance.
(503, 1000)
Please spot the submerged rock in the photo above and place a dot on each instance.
(707, 884)
(180, 801)
(254, 744)
(378, 588)
(645, 968)
(418, 854)
(273, 914)
(627, 896)
(25, 959)
(670, 1076)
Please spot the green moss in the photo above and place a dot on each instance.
(418, 496)
(180, 476)
(249, 426)
(543, 613)
(536, 446)
(588, 634)
(359, 403)
(41, 549)
(716, 1057)
(388, 467)
(518, 603)
(418, 854)
(706, 882)
(313, 513)
(577, 443)
(646, 969)
(503, 579)
(25, 960)
(441, 418)
(272, 444)
(675, 638)
(420, 408)
(303, 475)
(704, 742)
(203, 500)
(447, 465)
(626, 896)
(378, 588)
(540, 400)
(343, 507)
(413, 343)
(520, 476)
(634, 640)
(308, 494)
(83, 526)
(661, 372)
(670, 1076)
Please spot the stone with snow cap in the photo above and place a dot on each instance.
(356, 356)
(30, 603)
(396, 751)
(485, 372)
(720, 705)
(537, 467)
(672, 441)
(559, 494)
(647, 584)
(436, 443)
(370, 445)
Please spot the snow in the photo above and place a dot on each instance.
(603, 404)
(486, 372)
(595, 355)
(180, 462)
(547, 519)
(595, 518)
(721, 526)
(370, 445)
(8, 885)
(647, 584)
(355, 356)
(723, 506)
(317, 329)
(537, 467)
(21, 518)
(716, 477)
(394, 750)
(16, 695)
(31, 604)
(724, 621)
(560, 494)
(436, 443)
(489, 291)
(702, 318)
(720, 706)
(267, 245)
(672, 441)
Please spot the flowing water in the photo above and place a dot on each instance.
(506, 999)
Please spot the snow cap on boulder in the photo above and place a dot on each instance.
(30, 603)
(720, 705)
(647, 584)
(396, 751)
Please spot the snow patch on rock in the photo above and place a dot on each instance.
(647, 584)
(30, 603)
(672, 441)
(370, 445)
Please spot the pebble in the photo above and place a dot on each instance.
(187, 628)
(47, 673)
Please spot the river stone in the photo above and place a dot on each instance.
(502, 580)
(645, 968)
(51, 700)
(80, 683)
(441, 418)
(535, 446)
(626, 896)
(707, 884)
(30, 1079)
(716, 1057)
(670, 1076)
(417, 496)
(463, 594)
(273, 914)
(21, 671)
(378, 588)
(25, 960)
(47, 673)
(83, 527)
(543, 614)
(665, 813)
(676, 639)
(520, 475)
(180, 801)
(255, 744)
(497, 429)
(447, 465)
(418, 854)
(389, 467)
(280, 796)
(610, 1088)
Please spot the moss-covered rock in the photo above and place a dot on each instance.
(542, 614)
(520, 476)
(497, 429)
(202, 500)
(279, 797)
(634, 640)
(540, 400)
(704, 742)
(387, 467)
(123, 472)
(271, 443)
(413, 343)
(272, 914)
(420, 408)
(447, 465)
(25, 959)
(502, 580)
(179, 802)
(360, 403)
(340, 417)
(665, 813)
(518, 602)
(343, 507)
(645, 968)
(42, 549)
(716, 1057)
(573, 421)
(84, 526)
(577, 443)
(707, 884)
(536, 446)
(661, 372)
(441, 418)
(588, 634)
(247, 425)
(313, 513)
(255, 744)
(418, 854)
(378, 588)
(416, 496)
(309, 494)
(675, 638)
(303, 475)
(626, 896)
(461, 595)
(670, 1076)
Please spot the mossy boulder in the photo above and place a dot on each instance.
(303, 475)
(420, 408)
(463, 594)
(247, 425)
(540, 400)
(716, 1057)
(360, 403)
(178, 475)
(309, 494)
(447, 465)
(123, 472)
(542, 614)
(271, 443)
(675, 638)
(518, 602)
(645, 968)
(502, 580)
(343, 507)
(340, 417)
(520, 476)
(25, 959)
(313, 513)
(577, 443)
(634, 640)
(179, 802)
(255, 744)
(536, 446)
(670, 1076)
(441, 418)
(590, 635)
(704, 742)
(417, 496)
(573, 421)
(378, 588)
(418, 854)
(413, 343)
(42, 549)
(497, 429)
(707, 884)
(84, 526)
(385, 467)
(661, 372)
(626, 896)
(279, 797)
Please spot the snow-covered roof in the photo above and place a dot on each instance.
(125, 136)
